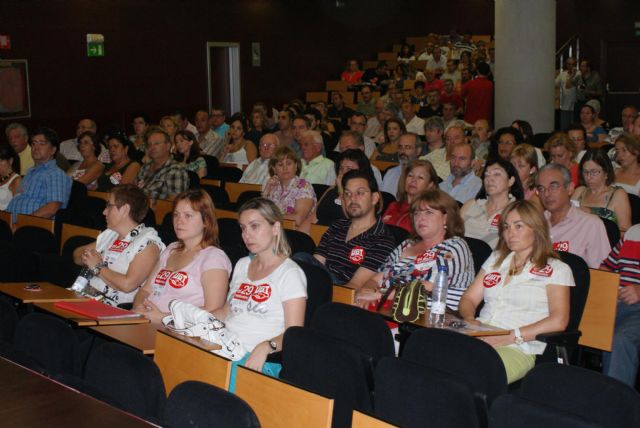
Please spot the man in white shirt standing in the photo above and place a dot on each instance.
(564, 81)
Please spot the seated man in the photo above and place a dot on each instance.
(316, 169)
(353, 250)
(433, 108)
(367, 104)
(339, 110)
(462, 184)
(412, 122)
(258, 171)
(622, 362)
(46, 188)
(409, 148)
(440, 158)
(210, 142)
(183, 122)
(572, 229)
(18, 138)
(217, 122)
(358, 123)
(162, 177)
(355, 140)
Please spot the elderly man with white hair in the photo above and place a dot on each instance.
(316, 168)
(258, 171)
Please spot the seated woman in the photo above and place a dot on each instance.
(417, 176)
(406, 53)
(170, 126)
(188, 153)
(293, 195)
(524, 287)
(352, 74)
(598, 196)
(121, 170)
(562, 151)
(628, 157)
(435, 216)
(330, 204)
(89, 168)
(123, 255)
(238, 149)
(9, 174)
(525, 161)
(193, 269)
(500, 186)
(588, 117)
(268, 290)
(388, 150)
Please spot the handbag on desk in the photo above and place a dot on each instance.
(193, 321)
(409, 303)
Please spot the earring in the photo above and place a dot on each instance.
(445, 227)
(273, 250)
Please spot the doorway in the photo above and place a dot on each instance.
(223, 76)
(620, 77)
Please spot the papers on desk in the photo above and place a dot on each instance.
(95, 310)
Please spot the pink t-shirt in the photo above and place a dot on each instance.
(186, 283)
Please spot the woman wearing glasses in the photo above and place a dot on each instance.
(598, 195)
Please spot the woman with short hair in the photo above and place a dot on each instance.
(89, 168)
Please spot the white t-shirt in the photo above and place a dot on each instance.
(256, 312)
(119, 254)
(523, 300)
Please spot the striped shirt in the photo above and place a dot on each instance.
(369, 250)
(625, 257)
(453, 252)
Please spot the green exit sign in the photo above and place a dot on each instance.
(95, 49)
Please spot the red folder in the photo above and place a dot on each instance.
(95, 310)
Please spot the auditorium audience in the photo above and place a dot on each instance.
(412, 122)
(140, 123)
(417, 177)
(598, 195)
(69, 148)
(568, 224)
(438, 241)
(258, 171)
(123, 255)
(366, 104)
(285, 131)
(45, 188)
(478, 96)
(353, 139)
(339, 110)
(627, 175)
(188, 153)
(193, 269)
(578, 135)
(595, 133)
(500, 186)
(89, 168)
(122, 169)
(293, 195)
(524, 287)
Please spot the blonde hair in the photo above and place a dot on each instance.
(272, 214)
(561, 139)
(532, 217)
(528, 153)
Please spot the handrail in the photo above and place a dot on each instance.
(567, 43)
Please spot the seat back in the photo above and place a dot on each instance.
(231, 239)
(194, 180)
(480, 251)
(362, 420)
(161, 208)
(212, 165)
(218, 195)
(200, 404)
(6, 233)
(409, 395)
(8, 319)
(247, 195)
(127, 375)
(634, 201)
(235, 190)
(280, 404)
(387, 198)
(595, 397)
(181, 358)
(300, 242)
(228, 174)
(613, 233)
(317, 231)
(399, 234)
(510, 411)
(73, 236)
(474, 362)
(330, 367)
(342, 294)
(357, 326)
(35, 234)
(580, 292)
(319, 289)
(49, 341)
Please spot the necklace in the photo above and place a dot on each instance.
(515, 269)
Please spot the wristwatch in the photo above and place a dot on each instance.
(96, 270)
(519, 339)
(273, 345)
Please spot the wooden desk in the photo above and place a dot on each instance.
(81, 321)
(32, 400)
(138, 336)
(469, 330)
(599, 315)
(48, 293)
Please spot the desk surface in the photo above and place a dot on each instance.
(469, 330)
(30, 400)
(48, 293)
(81, 321)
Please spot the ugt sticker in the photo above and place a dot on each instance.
(179, 279)
(357, 255)
(491, 279)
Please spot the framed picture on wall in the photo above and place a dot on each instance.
(14, 89)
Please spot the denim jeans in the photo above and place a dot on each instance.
(622, 362)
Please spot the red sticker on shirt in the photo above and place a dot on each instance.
(546, 271)
(261, 293)
(244, 292)
(118, 246)
(426, 257)
(357, 255)
(162, 276)
(561, 246)
(495, 220)
(179, 279)
(491, 279)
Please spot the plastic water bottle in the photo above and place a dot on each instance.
(439, 297)
(81, 282)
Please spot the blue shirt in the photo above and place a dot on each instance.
(221, 130)
(467, 189)
(42, 184)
